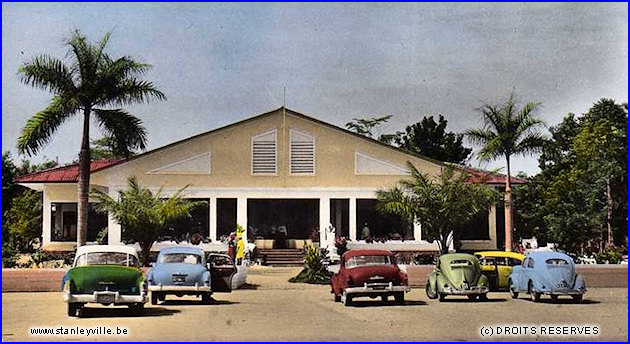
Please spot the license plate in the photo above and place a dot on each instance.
(179, 278)
(379, 287)
(105, 298)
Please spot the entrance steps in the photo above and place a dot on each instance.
(282, 256)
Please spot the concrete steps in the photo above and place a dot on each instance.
(282, 257)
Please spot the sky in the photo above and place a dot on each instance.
(220, 63)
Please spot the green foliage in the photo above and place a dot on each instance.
(108, 148)
(442, 206)
(101, 236)
(611, 255)
(10, 253)
(24, 219)
(315, 271)
(567, 201)
(366, 126)
(142, 213)
(431, 139)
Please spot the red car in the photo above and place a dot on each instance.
(370, 273)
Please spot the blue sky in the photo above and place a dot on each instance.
(219, 63)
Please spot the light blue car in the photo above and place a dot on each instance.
(548, 273)
(183, 271)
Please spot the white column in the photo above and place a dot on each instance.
(114, 230)
(324, 221)
(241, 215)
(46, 220)
(213, 219)
(492, 225)
(417, 230)
(352, 214)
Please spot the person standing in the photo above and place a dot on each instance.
(232, 246)
(240, 250)
(365, 233)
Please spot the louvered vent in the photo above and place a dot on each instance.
(302, 153)
(264, 153)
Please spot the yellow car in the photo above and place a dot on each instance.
(497, 266)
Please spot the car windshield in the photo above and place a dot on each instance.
(368, 260)
(107, 258)
(186, 258)
(557, 261)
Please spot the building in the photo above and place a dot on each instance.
(277, 172)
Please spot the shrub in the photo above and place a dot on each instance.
(10, 254)
(101, 236)
(612, 255)
(315, 271)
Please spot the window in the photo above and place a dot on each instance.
(557, 261)
(368, 260)
(302, 153)
(530, 263)
(264, 153)
(185, 258)
(106, 258)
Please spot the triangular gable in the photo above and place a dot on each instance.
(198, 164)
(367, 165)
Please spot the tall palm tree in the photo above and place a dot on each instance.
(507, 131)
(91, 83)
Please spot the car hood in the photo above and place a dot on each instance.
(87, 279)
(374, 273)
(458, 275)
(163, 273)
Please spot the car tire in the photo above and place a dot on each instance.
(577, 298)
(137, 308)
(483, 297)
(384, 298)
(154, 298)
(73, 309)
(534, 296)
(206, 298)
(337, 298)
(513, 293)
(442, 297)
(399, 297)
(472, 297)
(346, 299)
(430, 294)
(554, 298)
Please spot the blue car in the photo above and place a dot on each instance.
(184, 271)
(547, 273)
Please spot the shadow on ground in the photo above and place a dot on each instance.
(124, 312)
(213, 302)
(457, 299)
(368, 303)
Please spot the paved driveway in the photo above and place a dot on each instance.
(270, 309)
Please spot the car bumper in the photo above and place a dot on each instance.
(470, 291)
(562, 292)
(377, 288)
(104, 297)
(180, 288)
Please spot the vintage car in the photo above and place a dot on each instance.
(105, 274)
(370, 273)
(457, 274)
(497, 266)
(548, 273)
(184, 271)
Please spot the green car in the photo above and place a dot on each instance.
(457, 274)
(105, 274)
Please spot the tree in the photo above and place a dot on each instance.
(431, 139)
(107, 148)
(143, 214)
(91, 84)
(365, 127)
(508, 131)
(443, 206)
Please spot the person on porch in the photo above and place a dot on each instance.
(365, 233)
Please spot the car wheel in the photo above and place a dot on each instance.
(73, 309)
(337, 298)
(577, 298)
(430, 294)
(399, 297)
(513, 293)
(154, 298)
(442, 297)
(532, 294)
(161, 297)
(483, 297)
(384, 298)
(137, 308)
(554, 298)
(346, 299)
(206, 298)
(472, 297)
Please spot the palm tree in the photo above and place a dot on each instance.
(142, 213)
(92, 83)
(443, 205)
(507, 131)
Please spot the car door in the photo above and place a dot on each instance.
(222, 270)
(503, 271)
(522, 276)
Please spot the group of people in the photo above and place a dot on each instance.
(236, 247)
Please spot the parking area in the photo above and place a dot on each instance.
(271, 309)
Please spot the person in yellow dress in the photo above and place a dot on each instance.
(240, 250)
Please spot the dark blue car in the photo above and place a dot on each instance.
(184, 271)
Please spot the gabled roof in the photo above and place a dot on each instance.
(488, 177)
(63, 174)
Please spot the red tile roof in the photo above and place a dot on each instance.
(489, 177)
(64, 174)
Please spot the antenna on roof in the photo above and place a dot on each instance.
(284, 96)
